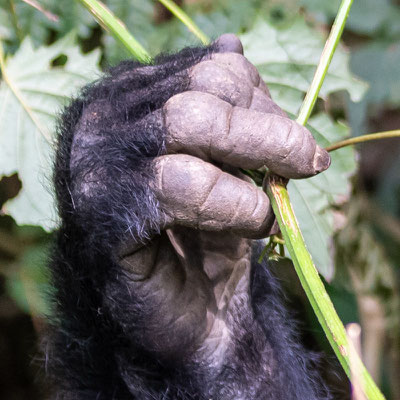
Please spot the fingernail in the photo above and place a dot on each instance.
(322, 160)
(229, 43)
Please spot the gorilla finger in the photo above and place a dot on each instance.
(242, 67)
(262, 102)
(203, 125)
(210, 77)
(197, 194)
(234, 80)
(228, 43)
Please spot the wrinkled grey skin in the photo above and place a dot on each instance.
(226, 121)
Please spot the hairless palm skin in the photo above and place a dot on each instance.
(166, 223)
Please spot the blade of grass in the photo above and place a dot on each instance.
(117, 29)
(186, 20)
(304, 266)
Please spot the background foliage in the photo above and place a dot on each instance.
(52, 49)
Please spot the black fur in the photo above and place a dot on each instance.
(89, 353)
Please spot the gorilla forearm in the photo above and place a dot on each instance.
(156, 296)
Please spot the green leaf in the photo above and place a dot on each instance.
(288, 58)
(71, 16)
(325, 10)
(287, 66)
(312, 198)
(31, 94)
(137, 15)
(213, 19)
(367, 17)
(372, 17)
(379, 63)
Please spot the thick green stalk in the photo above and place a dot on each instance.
(315, 290)
(305, 268)
(116, 28)
(186, 20)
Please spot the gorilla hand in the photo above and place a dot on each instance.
(149, 186)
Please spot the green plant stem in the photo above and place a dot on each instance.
(186, 20)
(276, 239)
(304, 266)
(116, 28)
(364, 138)
(314, 288)
(325, 60)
